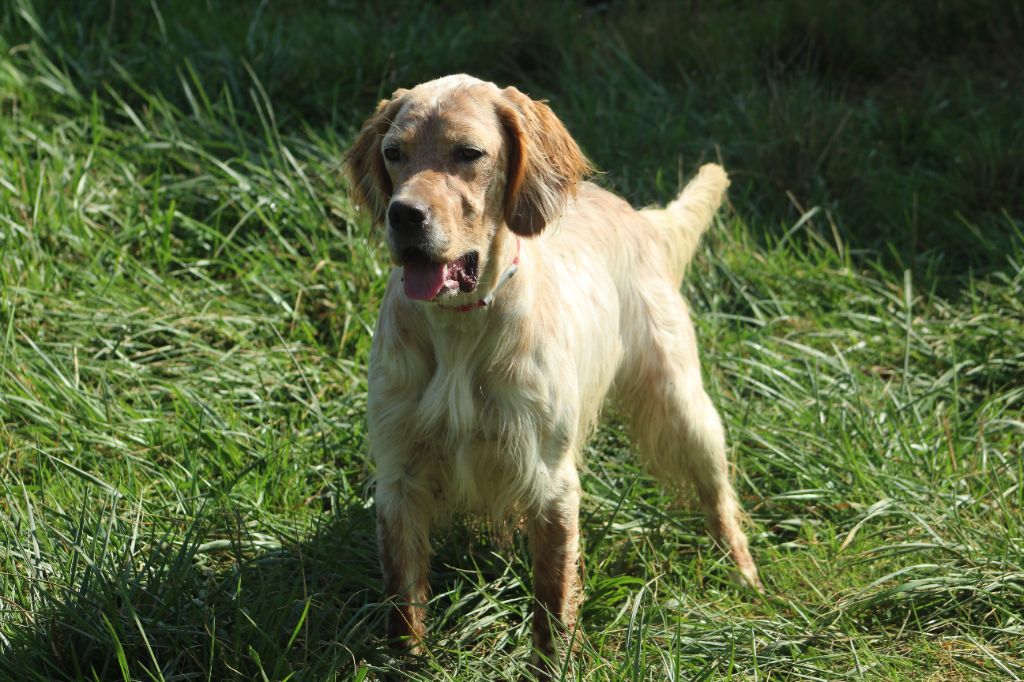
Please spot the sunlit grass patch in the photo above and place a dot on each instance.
(187, 299)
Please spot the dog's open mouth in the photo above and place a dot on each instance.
(425, 278)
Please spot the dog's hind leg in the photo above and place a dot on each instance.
(673, 421)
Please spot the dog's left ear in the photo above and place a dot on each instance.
(368, 180)
(545, 164)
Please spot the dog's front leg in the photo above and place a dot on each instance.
(404, 511)
(554, 546)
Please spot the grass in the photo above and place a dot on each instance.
(187, 299)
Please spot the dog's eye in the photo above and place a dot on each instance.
(392, 153)
(468, 153)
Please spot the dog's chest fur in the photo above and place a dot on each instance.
(486, 404)
(497, 423)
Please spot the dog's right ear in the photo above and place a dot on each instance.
(368, 180)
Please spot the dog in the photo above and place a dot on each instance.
(521, 298)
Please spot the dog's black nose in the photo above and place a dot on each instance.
(405, 216)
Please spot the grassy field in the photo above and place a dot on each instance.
(187, 299)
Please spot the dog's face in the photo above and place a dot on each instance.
(449, 164)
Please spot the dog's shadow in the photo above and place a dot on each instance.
(245, 606)
(249, 605)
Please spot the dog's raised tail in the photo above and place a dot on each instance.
(686, 218)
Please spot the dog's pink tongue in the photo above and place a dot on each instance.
(423, 280)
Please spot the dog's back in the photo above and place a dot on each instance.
(653, 241)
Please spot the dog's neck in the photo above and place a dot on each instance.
(488, 298)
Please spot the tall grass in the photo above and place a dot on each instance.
(187, 299)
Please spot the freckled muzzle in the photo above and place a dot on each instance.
(424, 278)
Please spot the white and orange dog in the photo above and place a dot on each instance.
(521, 298)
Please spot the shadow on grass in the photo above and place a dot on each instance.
(897, 125)
(221, 610)
(247, 606)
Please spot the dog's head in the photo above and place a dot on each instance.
(448, 165)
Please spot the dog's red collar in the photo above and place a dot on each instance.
(489, 298)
